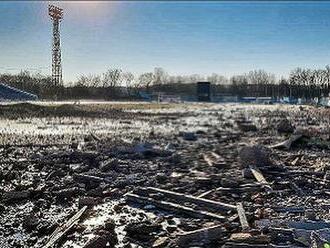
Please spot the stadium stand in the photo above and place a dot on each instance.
(8, 93)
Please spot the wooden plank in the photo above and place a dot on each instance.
(206, 193)
(208, 159)
(260, 177)
(94, 136)
(242, 188)
(193, 199)
(88, 178)
(170, 206)
(204, 235)
(231, 190)
(287, 143)
(244, 245)
(213, 159)
(249, 238)
(62, 230)
(218, 189)
(242, 217)
(289, 209)
(296, 188)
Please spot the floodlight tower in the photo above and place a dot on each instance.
(56, 15)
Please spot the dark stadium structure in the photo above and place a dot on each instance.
(204, 91)
(8, 93)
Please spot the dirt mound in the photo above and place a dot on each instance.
(254, 155)
(28, 110)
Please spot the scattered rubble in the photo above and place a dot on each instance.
(206, 175)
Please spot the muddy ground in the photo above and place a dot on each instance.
(110, 163)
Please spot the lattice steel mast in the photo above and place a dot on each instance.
(56, 15)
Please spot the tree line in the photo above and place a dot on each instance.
(116, 83)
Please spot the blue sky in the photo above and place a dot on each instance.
(182, 37)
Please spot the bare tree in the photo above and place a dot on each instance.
(112, 78)
(326, 76)
(239, 84)
(128, 79)
(217, 79)
(194, 78)
(160, 76)
(82, 81)
(261, 79)
(295, 79)
(146, 80)
(95, 81)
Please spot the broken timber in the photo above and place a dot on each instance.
(242, 217)
(62, 230)
(213, 159)
(95, 137)
(208, 159)
(289, 209)
(88, 178)
(204, 235)
(295, 187)
(170, 206)
(193, 199)
(259, 177)
(208, 192)
(288, 143)
(245, 239)
(242, 188)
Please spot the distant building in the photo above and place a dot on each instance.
(204, 91)
(8, 93)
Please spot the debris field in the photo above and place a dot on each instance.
(164, 175)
